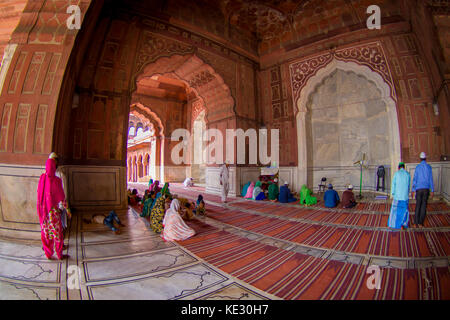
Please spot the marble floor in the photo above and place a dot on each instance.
(137, 264)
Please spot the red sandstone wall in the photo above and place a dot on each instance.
(10, 12)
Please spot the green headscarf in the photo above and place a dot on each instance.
(165, 189)
(258, 184)
(305, 196)
(273, 191)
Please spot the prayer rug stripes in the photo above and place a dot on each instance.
(376, 220)
(374, 242)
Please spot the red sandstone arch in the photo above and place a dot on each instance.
(200, 77)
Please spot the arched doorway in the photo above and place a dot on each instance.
(198, 156)
(346, 110)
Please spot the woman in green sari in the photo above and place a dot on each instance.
(306, 197)
(148, 205)
(165, 190)
(274, 190)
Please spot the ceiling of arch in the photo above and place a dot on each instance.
(269, 24)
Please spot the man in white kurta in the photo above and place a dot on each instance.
(224, 175)
(188, 183)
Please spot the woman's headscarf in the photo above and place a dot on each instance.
(249, 194)
(244, 189)
(199, 199)
(258, 184)
(50, 190)
(174, 208)
(150, 183)
(256, 190)
(155, 186)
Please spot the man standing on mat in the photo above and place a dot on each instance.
(224, 177)
(422, 184)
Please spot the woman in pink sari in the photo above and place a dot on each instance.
(50, 202)
(175, 229)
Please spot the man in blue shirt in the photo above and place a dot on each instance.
(331, 197)
(399, 216)
(422, 184)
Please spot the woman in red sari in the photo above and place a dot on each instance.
(50, 201)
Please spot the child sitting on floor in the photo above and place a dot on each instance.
(200, 206)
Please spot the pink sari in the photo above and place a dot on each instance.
(249, 194)
(49, 194)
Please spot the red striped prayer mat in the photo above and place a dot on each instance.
(291, 275)
(348, 217)
(382, 242)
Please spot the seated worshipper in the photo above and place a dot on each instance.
(285, 195)
(348, 198)
(165, 190)
(258, 194)
(134, 198)
(187, 211)
(244, 189)
(155, 187)
(175, 229)
(189, 182)
(157, 213)
(265, 183)
(331, 197)
(148, 204)
(306, 196)
(145, 197)
(200, 206)
(249, 194)
(107, 221)
(274, 191)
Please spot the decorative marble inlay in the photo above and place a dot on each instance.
(170, 285)
(370, 55)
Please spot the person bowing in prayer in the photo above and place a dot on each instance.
(285, 195)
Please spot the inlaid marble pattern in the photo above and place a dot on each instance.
(15, 291)
(171, 285)
(136, 265)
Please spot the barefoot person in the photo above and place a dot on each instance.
(422, 184)
(224, 177)
(399, 216)
(50, 203)
(107, 221)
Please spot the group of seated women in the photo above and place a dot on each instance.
(269, 189)
(167, 211)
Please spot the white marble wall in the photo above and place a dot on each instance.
(18, 190)
(95, 187)
(441, 177)
(212, 176)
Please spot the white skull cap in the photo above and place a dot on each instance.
(423, 155)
